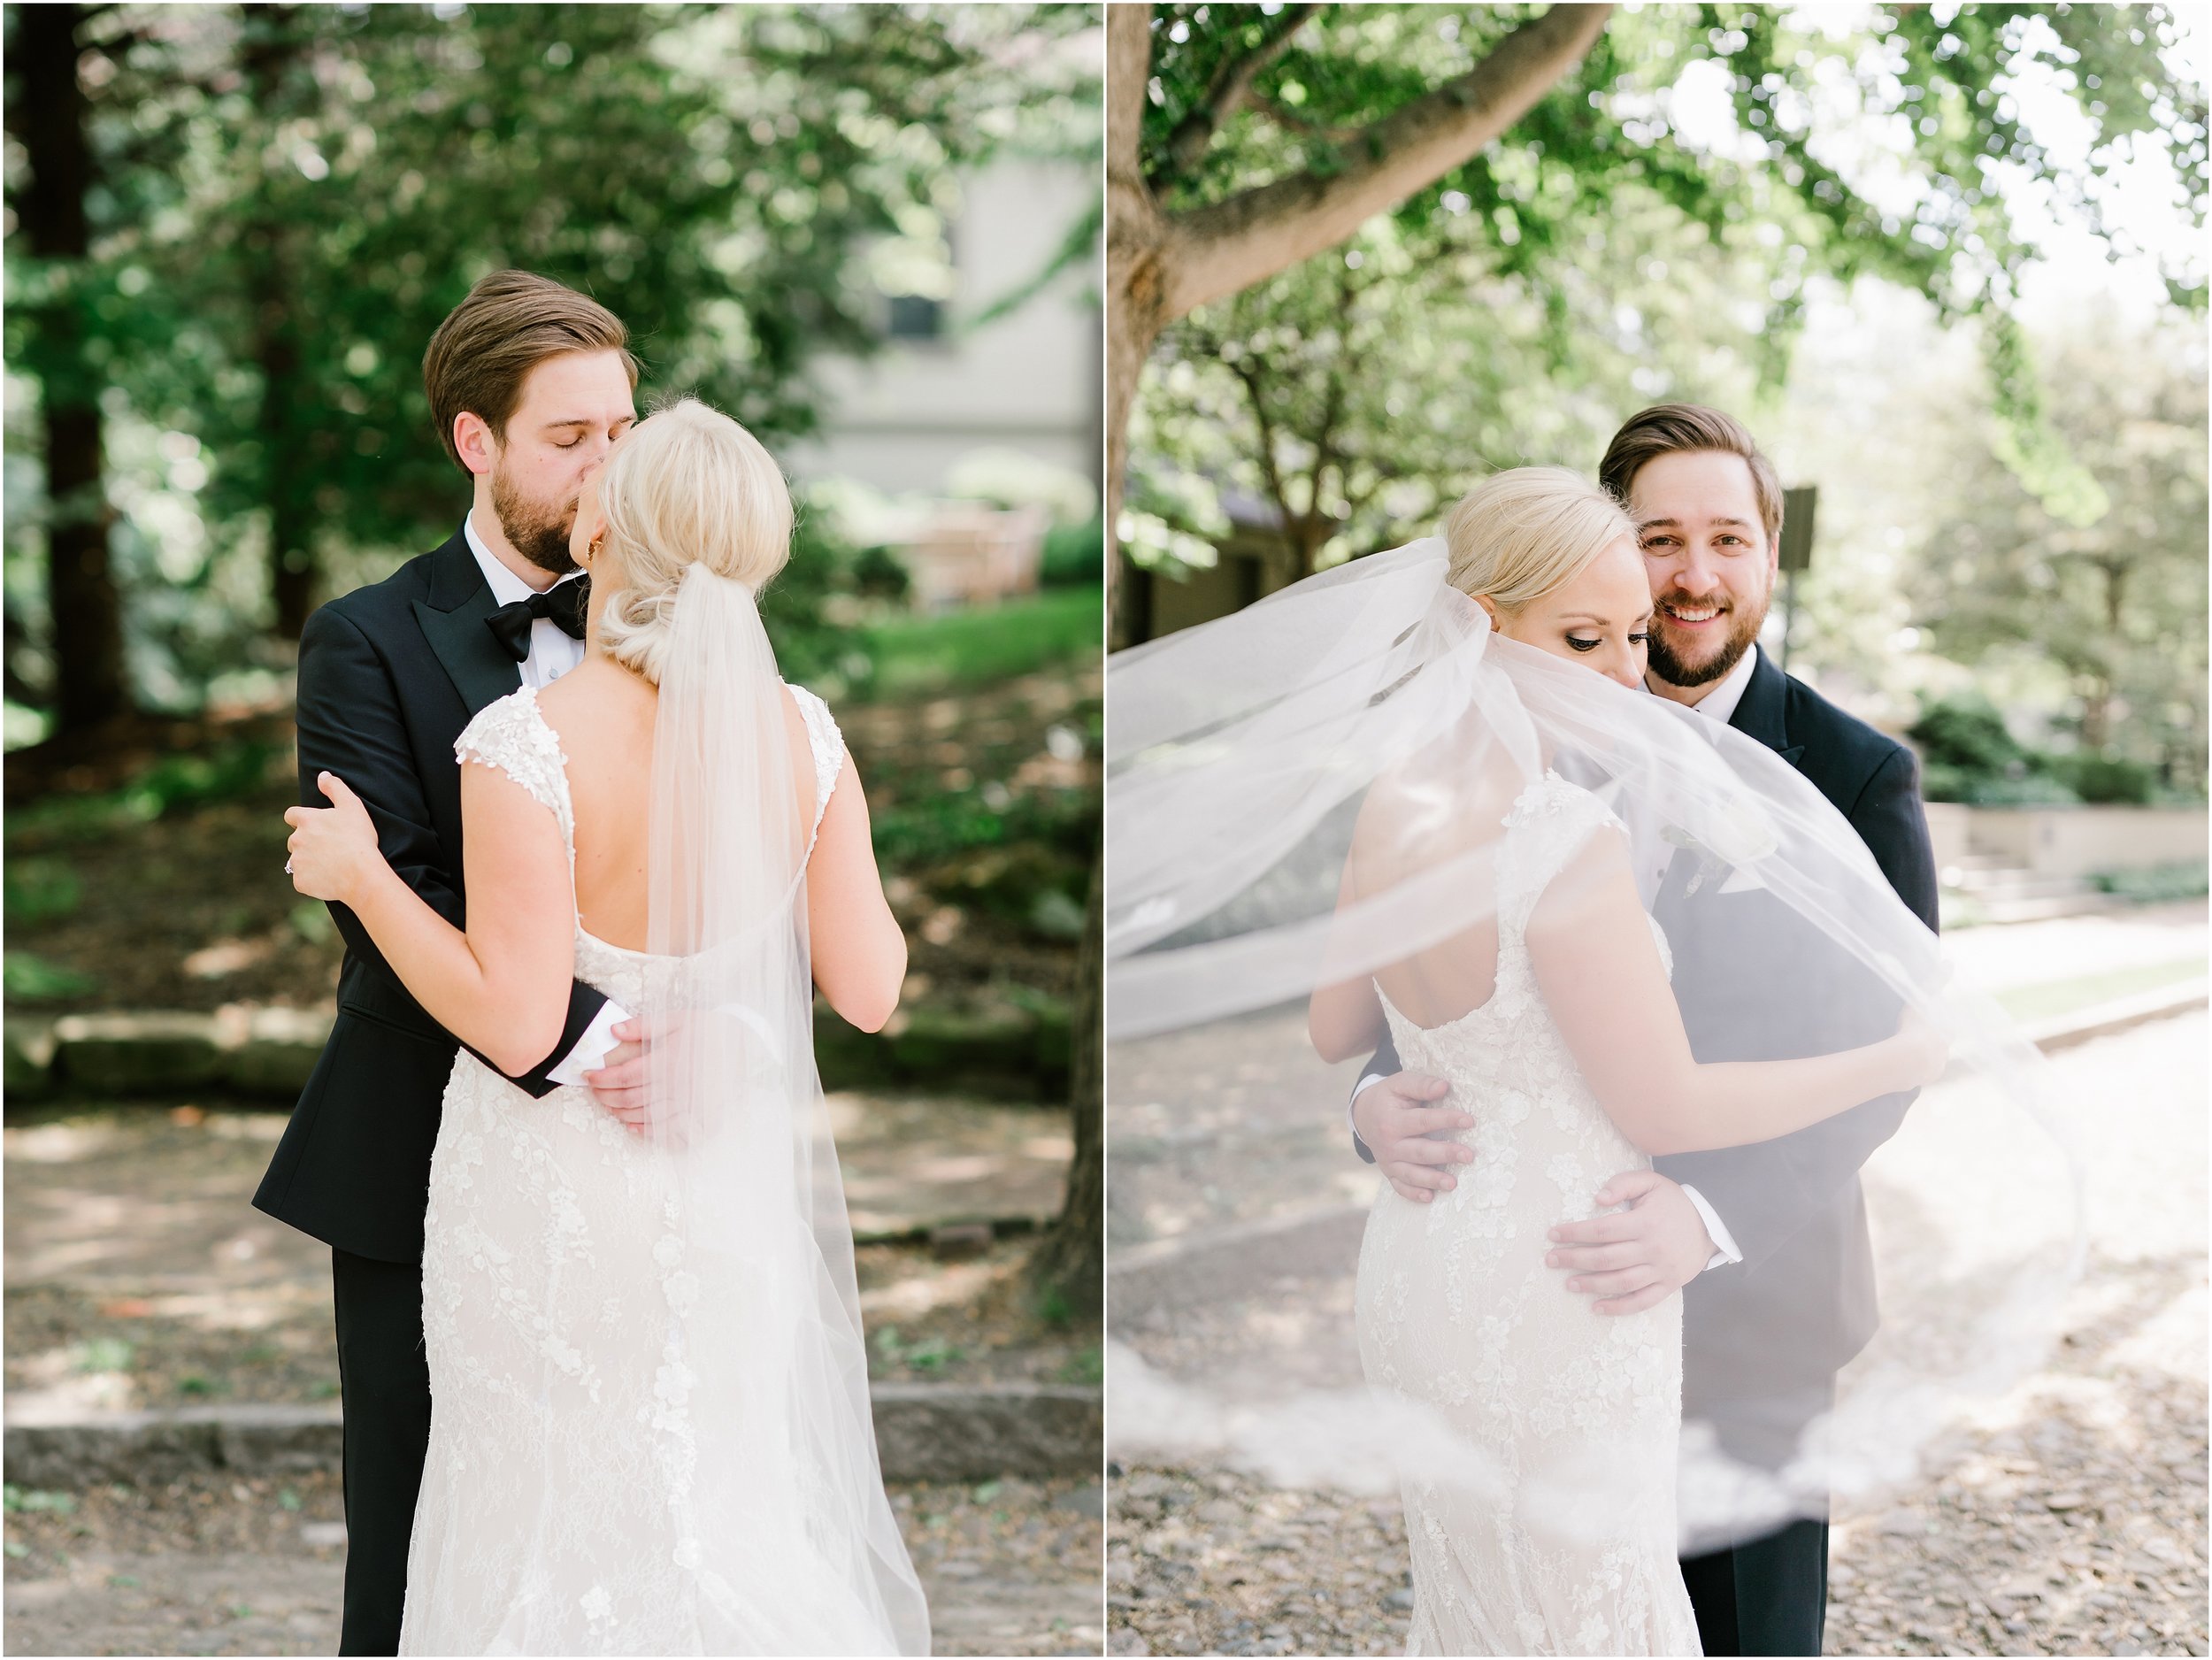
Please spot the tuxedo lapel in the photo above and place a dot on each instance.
(453, 621)
(1760, 713)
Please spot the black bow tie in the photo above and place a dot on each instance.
(565, 602)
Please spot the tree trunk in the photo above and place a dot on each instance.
(1133, 288)
(85, 607)
(270, 58)
(1071, 1259)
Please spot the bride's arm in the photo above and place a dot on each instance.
(501, 987)
(859, 955)
(1602, 978)
(1346, 1018)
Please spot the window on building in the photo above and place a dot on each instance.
(915, 316)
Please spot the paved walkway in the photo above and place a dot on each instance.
(2066, 1515)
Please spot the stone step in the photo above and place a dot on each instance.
(924, 1432)
(1020, 1052)
(2043, 910)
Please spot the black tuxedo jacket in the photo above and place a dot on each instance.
(388, 676)
(1779, 1324)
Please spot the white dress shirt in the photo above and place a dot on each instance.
(553, 653)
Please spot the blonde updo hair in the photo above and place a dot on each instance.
(687, 485)
(1519, 535)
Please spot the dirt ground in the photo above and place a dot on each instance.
(139, 1275)
(191, 910)
(219, 1565)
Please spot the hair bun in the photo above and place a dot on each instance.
(688, 489)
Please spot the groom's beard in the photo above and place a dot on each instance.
(1670, 666)
(538, 534)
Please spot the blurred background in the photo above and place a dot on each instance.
(871, 234)
(1947, 263)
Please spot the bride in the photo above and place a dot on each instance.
(1426, 792)
(650, 1431)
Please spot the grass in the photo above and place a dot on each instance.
(921, 656)
(2052, 998)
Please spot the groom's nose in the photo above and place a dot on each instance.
(1694, 576)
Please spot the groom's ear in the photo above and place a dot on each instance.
(474, 441)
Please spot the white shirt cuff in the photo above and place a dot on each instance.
(1359, 1089)
(592, 1047)
(1725, 1242)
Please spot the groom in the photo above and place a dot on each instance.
(530, 383)
(1768, 1243)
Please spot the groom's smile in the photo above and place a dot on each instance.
(1710, 559)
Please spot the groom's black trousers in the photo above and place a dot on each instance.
(1766, 1596)
(386, 1383)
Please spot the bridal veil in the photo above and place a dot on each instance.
(1240, 756)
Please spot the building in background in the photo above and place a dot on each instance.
(942, 391)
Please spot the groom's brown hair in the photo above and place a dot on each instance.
(1670, 429)
(510, 322)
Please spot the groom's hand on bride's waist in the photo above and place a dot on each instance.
(1405, 1122)
(1630, 1260)
(618, 1084)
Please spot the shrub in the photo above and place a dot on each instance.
(1074, 555)
(2111, 779)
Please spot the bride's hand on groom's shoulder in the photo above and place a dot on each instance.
(332, 850)
(1629, 1260)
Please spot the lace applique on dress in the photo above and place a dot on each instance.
(828, 745)
(511, 734)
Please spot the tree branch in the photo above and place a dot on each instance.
(1269, 463)
(1231, 86)
(1297, 123)
(1220, 249)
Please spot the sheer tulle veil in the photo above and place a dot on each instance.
(768, 1449)
(1241, 757)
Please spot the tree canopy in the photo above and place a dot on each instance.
(1571, 156)
(282, 202)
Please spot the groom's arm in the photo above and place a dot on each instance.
(350, 724)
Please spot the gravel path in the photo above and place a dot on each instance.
(218, 1566)
(2080, 1530)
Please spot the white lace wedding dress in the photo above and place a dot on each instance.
(1549, 1527)
(555, 1503)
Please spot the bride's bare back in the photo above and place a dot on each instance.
(604, 718)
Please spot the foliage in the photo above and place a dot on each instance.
(1968, 754)
(2160, 883)
(2108, 780)
(910, 656)
(1074, 555)
(2119, 604)
(298, 195)
(1623, 188)
(1357, 395)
